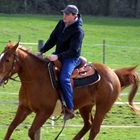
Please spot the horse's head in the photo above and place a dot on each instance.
(8, 61)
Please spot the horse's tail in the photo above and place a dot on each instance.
(127, 77)
(133, 91)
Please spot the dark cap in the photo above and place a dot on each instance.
(70, 9)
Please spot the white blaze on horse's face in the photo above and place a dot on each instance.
(1, 65)
(1, 69)
(5, 66)
(1, 56)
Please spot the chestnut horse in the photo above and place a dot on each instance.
(128, 76)
(37, 94)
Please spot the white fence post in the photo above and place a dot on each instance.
(40, 44)
(38, 134)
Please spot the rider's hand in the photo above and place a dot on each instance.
(52, 57)
(39, 54)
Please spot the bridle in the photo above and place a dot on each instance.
(8, 76)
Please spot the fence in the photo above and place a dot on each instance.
(42, 42)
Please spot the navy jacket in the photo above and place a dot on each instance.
(68, 40)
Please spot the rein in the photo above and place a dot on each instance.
(14, 79)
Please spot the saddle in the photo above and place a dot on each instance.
(84, 73)
(83, 69)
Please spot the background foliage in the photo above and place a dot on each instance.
(123, 8)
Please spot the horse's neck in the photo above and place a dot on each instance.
(30, 68)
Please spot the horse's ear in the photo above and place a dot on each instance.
(15, 46)
(9, 44)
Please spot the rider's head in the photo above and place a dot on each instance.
(70, 13)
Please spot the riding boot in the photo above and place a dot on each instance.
(69, 114)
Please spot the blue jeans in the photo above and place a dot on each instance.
(68, 66)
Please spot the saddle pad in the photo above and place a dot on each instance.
(89, 80)
(78, 82)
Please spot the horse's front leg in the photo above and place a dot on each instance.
(39, 120)
(21, 114)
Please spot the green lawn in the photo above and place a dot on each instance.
(121, 36)
(69, 133)
(119, 116)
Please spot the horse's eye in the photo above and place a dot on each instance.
(7, 60)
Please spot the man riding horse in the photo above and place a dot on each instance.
(67, 36)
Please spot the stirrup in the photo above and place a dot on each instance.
(69, 114)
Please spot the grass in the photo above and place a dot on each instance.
(119, 116)
(121, 35)
(122, 49)
(105, 134)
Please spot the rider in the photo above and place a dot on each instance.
(67, 36)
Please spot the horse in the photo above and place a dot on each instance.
(37, 94)
(129, 77)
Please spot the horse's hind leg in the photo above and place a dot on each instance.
(21, 114)
(87, 117)
(101, 110)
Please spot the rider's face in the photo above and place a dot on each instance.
(68, 18)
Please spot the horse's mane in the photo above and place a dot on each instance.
(27, 51)
(35, 56)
